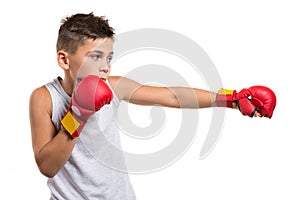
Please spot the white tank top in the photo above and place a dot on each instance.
(90, 171)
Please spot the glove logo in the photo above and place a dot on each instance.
(76, 111)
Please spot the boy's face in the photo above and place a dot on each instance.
(92, 58)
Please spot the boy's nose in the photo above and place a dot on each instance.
(104, 69)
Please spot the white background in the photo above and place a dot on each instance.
(250, 42)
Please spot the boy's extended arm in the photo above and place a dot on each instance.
(175, 97)
(51, 149)
(253, 101)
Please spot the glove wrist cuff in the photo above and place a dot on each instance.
(72, 125)
(224, 98)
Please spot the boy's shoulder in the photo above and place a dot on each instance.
(113, 80)
(41, 92)
(119, 85)
(40, 98)
(120, 82)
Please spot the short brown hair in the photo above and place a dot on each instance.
(75, 29)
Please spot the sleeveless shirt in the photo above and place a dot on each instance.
(96, 167)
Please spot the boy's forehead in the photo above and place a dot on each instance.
(102, 44)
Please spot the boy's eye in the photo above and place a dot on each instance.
(109, 59)
(95, 57)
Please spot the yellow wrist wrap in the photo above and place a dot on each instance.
(70, 124)
(225, 91)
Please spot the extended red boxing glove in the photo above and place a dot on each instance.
(264, 100)
(89, 95)
(255, 98)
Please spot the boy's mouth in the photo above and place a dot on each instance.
(102, 76)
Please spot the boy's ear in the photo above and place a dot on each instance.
(62, 59)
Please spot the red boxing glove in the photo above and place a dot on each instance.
(255, 98)
(88, 97)
(264, 99)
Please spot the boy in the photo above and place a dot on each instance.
(67, 108)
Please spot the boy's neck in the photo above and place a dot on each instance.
(67, 85)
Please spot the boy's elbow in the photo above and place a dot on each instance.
(46, 169)
(46, 172)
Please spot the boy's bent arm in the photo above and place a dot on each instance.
(51, 149)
